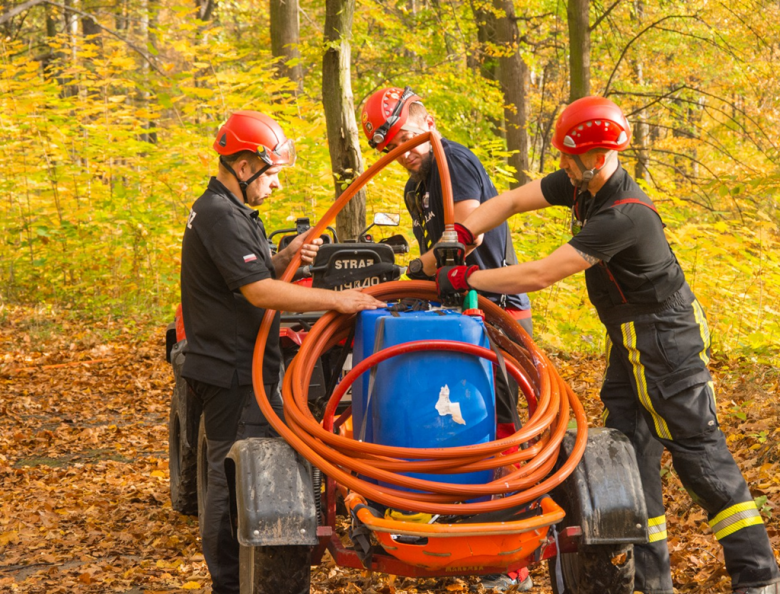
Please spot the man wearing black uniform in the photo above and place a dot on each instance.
(393, 116)
(228, 280)
(657, 389)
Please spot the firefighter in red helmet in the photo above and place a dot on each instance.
(392, 116)
(228, 280)
(657, 389)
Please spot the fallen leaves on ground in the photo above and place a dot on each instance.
(84, 504)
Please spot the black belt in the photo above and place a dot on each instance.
(619, 314)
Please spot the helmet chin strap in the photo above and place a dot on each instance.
(244, 184)
(589, 174)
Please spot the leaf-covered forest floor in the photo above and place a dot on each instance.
(84, 503)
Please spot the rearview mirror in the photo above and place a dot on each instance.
(387, 219)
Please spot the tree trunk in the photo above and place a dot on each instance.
(72, 29)
(513, 76)
(285, 39)
(579, 48)
(641, 129)
(146, 17)
(49, 60)
(482, 60)
(205, 9)
(345, 158)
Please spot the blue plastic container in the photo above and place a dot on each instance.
(430, 399)
(365, 336)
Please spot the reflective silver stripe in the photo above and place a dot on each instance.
(735, 518)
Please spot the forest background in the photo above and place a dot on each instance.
(108, 111)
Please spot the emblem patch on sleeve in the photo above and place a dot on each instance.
(250, 258)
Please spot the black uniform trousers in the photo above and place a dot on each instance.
(658, 392)
(231, 414)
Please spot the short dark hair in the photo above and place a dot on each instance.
(230, 159)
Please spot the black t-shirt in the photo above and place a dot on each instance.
(470, 181)
(622, 228)
(224, 248)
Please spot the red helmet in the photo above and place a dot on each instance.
(589, 123)
(385, 113)
(256, 132)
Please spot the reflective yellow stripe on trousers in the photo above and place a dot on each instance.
(656, 529)
(629, 341)
(735, 518)
(704, 330)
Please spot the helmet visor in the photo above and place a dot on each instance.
(283, 155)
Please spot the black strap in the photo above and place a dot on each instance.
(336, 369)
(504, 397)
(408, 304)
(243, 184)
(360, 535)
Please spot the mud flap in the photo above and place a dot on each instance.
(271, 496)
(604, 493)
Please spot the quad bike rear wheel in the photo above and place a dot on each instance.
(604, 498)
(182, 460)
(595, 569)
(275, 569)
(203, 469)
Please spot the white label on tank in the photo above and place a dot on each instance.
(445, 407)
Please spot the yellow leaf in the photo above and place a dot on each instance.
(191, 586)
(7, 537)
(158, 474)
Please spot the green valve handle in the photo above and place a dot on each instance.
(470, 302)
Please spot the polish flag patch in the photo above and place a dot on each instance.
(250, 258)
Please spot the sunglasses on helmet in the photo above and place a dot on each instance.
(381, 132)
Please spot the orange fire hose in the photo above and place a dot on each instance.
(343, 459)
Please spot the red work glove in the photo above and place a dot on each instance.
(465, 236)
(451, 281)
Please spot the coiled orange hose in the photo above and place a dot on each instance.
(344, 459)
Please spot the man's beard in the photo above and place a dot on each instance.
(424, 170)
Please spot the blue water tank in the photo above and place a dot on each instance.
(430, 399)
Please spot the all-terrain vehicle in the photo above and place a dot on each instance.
(360, 262)
(413, 460)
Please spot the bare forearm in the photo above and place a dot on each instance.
(281, 260)
(278, 295)
(490, 214)
(495, 211)
(533, 276)
(521, 278)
